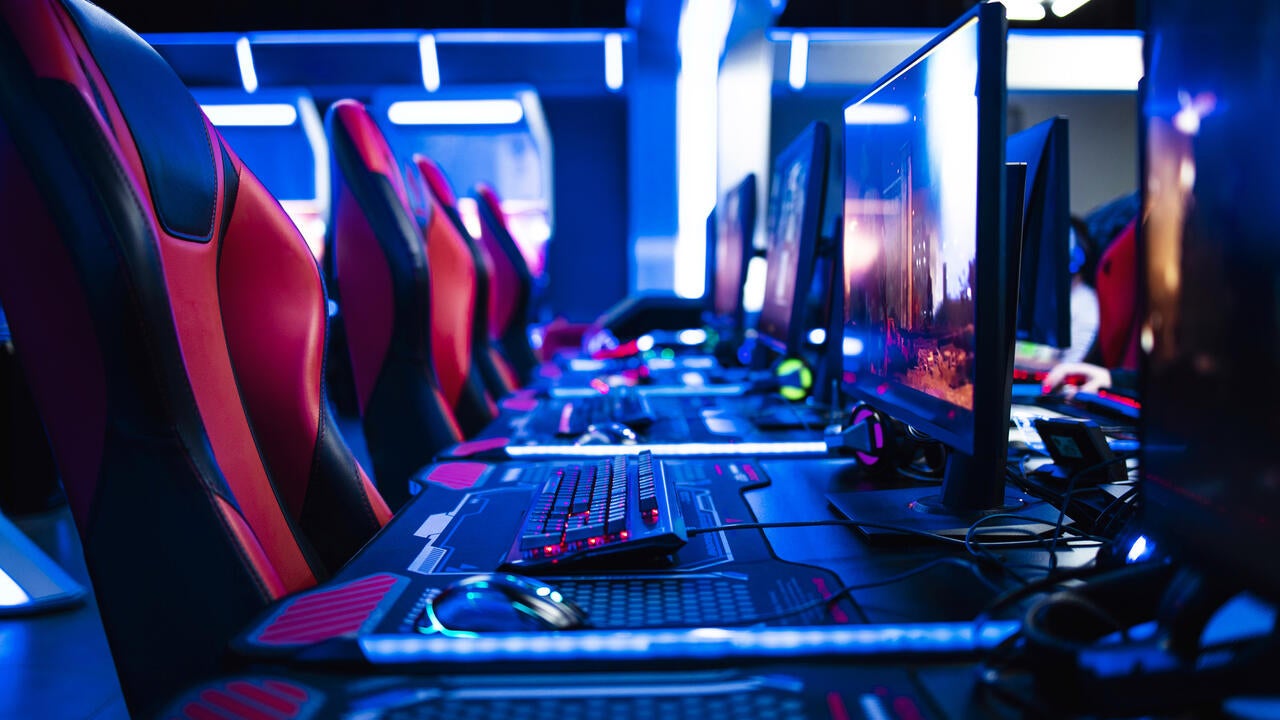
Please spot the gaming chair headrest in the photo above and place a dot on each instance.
(436, 180)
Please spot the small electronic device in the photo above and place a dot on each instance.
(1081, 455)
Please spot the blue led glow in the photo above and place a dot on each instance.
(1139, 550)
(816, 447)
(864, 640)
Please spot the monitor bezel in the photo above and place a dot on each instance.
(814, 141)
(745, 190)
(993, 321)
(1047, 192)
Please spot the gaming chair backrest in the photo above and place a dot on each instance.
(172, 326)
(512, 290)
(1117, 287)
(437, 196)
(454, 321)
(413, 389)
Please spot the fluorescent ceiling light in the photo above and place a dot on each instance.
(613, 61)
(455, 112)
(430, 63)
(1077, 61)
(799, 70)
(251, 115)
(876, 114)
(1024, 10)
(539, 37)
(1063, 8)
(244, 56)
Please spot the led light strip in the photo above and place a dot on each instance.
(706, 643)
(670, 449)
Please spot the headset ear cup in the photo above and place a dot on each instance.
(794, 379)
(893, 444)
(879, 459)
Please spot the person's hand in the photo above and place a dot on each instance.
(1074, 377)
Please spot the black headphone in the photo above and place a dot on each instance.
(884, 445)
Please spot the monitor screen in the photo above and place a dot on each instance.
(928, 324)
(1210, 332)
(1044, 295)
(795, 212)
(735, 219)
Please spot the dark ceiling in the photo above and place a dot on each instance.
(147, 16)
(150, 16)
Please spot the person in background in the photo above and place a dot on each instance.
(1110, 360)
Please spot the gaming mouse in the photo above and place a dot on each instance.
(500, 602)
(607, 433)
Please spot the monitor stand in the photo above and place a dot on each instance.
(924, 509)
(30, 581)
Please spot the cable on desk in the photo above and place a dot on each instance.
(979, 549)
(1123, 506)
(1044, 584)
(995, 563)
(1066, 501)
(836, 522)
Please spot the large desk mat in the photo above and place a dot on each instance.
(467, 517)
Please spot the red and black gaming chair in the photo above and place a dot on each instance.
(406, 306)
(172, 324)
(439, 198)
(511, 291)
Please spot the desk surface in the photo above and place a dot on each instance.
(454, 529)
(57, 664)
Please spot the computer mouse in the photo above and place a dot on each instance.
(607, 433)
(500, 602)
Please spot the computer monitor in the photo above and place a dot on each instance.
(1044, 296)
(795, 213)
(930, 270)
(735, 220)
(1210, 332)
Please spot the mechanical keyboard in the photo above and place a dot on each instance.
(631, 409)
(617, 506)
